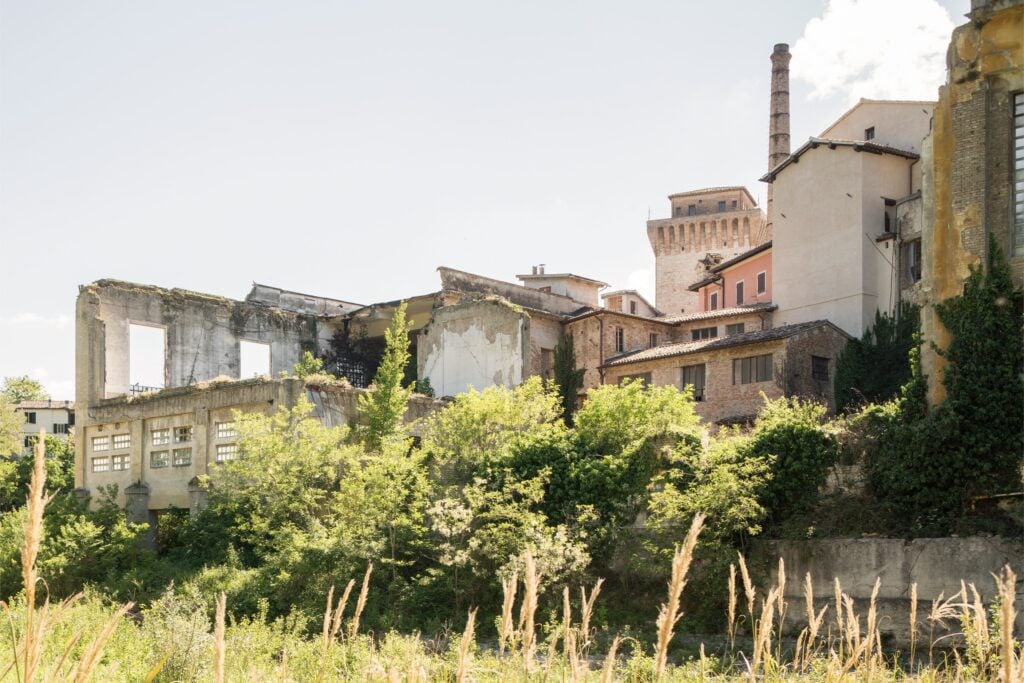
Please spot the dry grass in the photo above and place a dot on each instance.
(464, 644)
(669, 613)
(528, 609)
(850, 653)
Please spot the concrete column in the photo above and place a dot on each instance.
(137, 511)
(198, 494)
(201, 441)
(138, 433)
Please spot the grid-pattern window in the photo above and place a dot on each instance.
(101, 443)
(122, 441)
(620, 340)
(182, 434)
(226, 451)
(182, 457)
(120, 462)
(721, 205)
(101, 464)
(30, 418)
(1018, 173)
(694, 376)
(633, 307)
(59, 428)
(736, 328)
(752, 369)
(819, 368)
(653, 340)
(713, 305)
(161, 437)
(739, 293)
(762, 283)
(226, 430)
(704, 333)
(158, 459)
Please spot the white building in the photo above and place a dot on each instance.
(834, 255)
(55, 417)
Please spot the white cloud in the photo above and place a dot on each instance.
(642, 280)
(59, 388)
(25, 319)
(881, 49)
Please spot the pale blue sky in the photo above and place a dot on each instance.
(349, 148)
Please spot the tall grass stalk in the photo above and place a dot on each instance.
(364, 591)
(1006, 584)
(219, 645)
(913, 625)
(669, 613)
(731, 609)
(36, 503)
(506, 627)
(528, 609)
(464, 645)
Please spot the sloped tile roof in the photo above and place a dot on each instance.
(683, 348)
(720, 313)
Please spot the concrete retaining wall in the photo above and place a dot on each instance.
(937, 565)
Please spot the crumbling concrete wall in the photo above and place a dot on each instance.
(202, 411)
(202, 335)
(468, 283)
(474, 344)
(544, 333)
(936, 565)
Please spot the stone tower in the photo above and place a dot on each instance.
(778, 117)
(706, 227)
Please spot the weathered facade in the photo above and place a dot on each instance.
(834, 248)
(706, 228)
(974, 166)
(730, 376)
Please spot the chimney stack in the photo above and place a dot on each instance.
(778, 122)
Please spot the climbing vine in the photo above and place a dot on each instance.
(929, 464)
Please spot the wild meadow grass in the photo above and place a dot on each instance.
(86, 637)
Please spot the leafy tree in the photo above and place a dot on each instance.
(15, 473)
(794, 436)
(308, 365)
(568, 378)
(723, 481)
(282, 486)
(10, 429)
(24, 388)
(382, 408)
(479, 431)
(873, 368)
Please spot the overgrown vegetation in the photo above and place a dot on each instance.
(176, 639)
(568, 377)
(505, 490)
(872, 369)
(929, 464)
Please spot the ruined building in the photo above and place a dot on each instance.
(973, 168)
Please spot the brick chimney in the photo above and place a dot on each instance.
(778, 120)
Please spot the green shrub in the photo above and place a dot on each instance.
(793, 435)
(873, 368)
